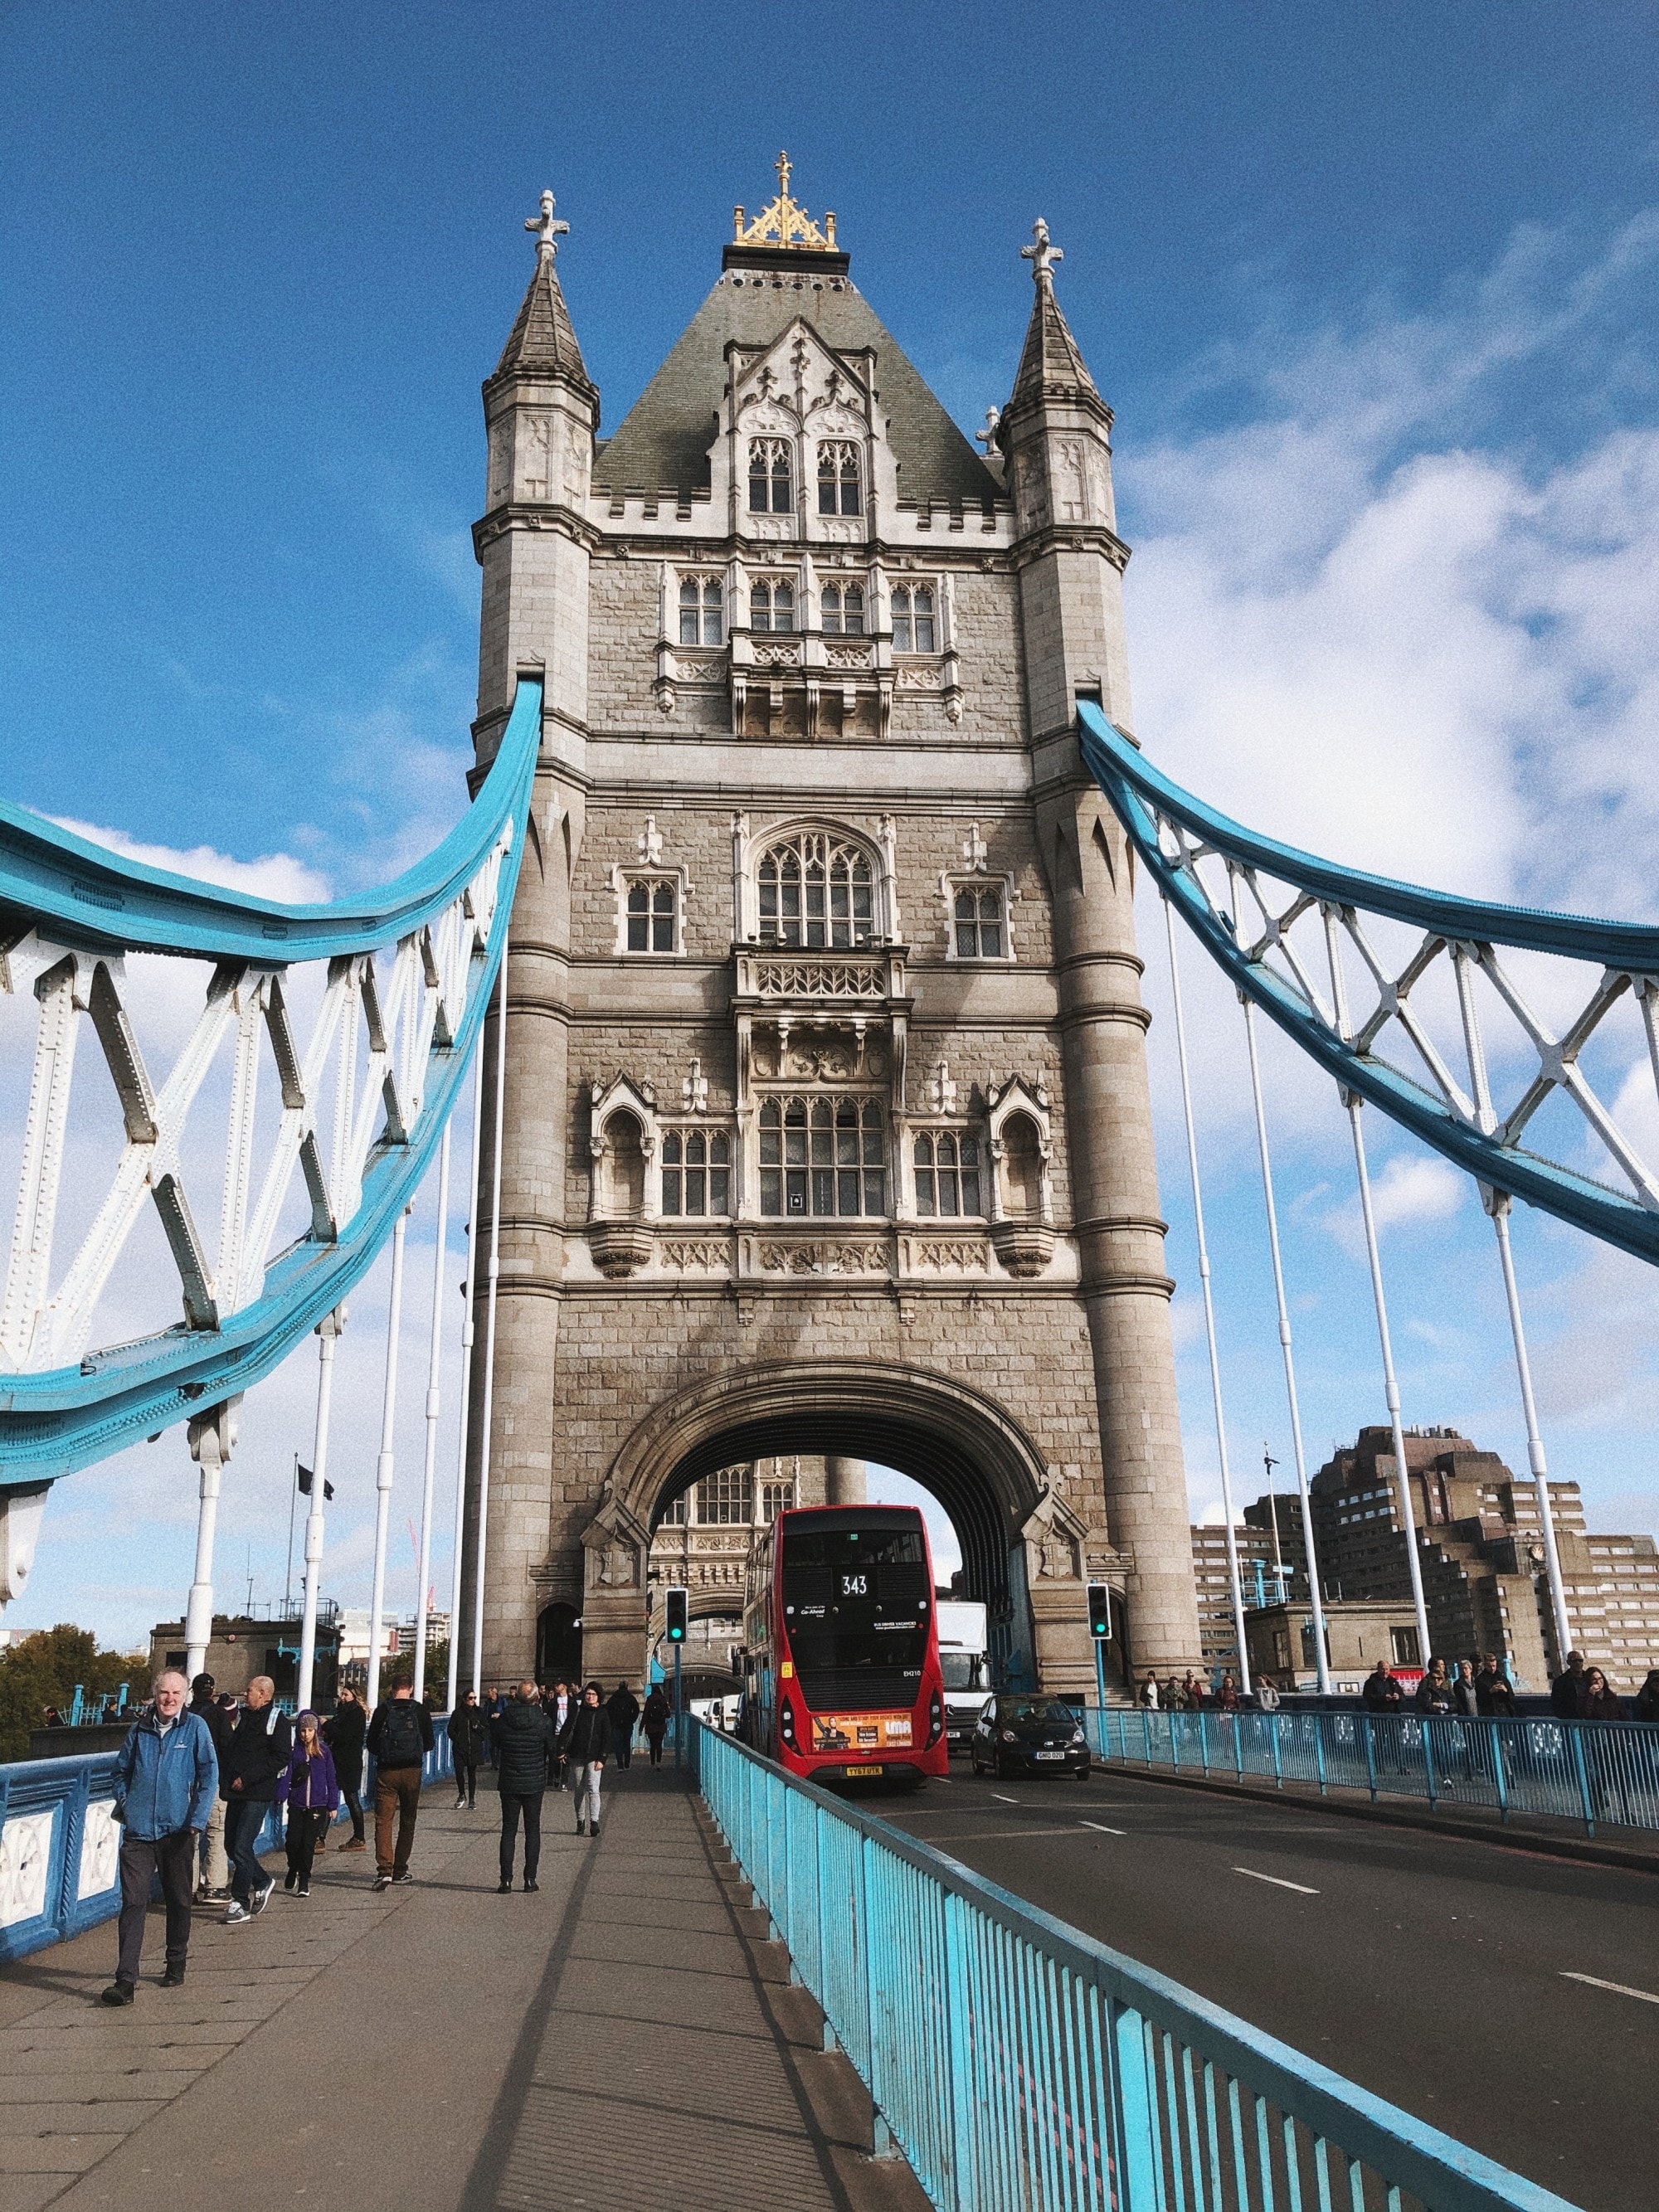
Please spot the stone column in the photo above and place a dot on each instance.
(843, 1482)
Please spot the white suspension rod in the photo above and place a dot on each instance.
(329, 1330)
(1321, 1658)
(481, 1549)
(1209, 1309)
(1390, 1386)
(433, 1370)
(1498, 1206)
(383, 1465)
(467, 1334)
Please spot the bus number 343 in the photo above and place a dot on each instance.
(856, 1586)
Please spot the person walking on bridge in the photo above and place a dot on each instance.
(586, 1745)
(622, 1709)
(1494, 1694)
(215, 1867)
(344, 1734)
(469, 1742)
(256, 1756)
(524, 1750)
(657, 1710)
(165, 1777)
(311, 1792)
(400, 1736)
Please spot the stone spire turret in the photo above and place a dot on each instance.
(1051, 365)
(543, 339)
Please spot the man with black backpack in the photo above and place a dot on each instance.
(399, 1737)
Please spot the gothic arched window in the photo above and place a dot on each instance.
(772, 604)
(979, 921)
(815, 893)
(770, 472)
(823, 1157)
(699, 611)
(838, 477)
(697, 1172)
(843, 609)
(913, 618)
(652, 915)
(947, 1175)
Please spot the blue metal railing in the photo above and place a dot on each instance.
(1599, 1773)
(60, 1849)
(1022, 2067)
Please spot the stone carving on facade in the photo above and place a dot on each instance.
(622, 1152)
(687, 1254)
(536, 474)
(948, 1254)
(1055, 1539)
(824, 1256)
(1020, 1140)
(693, 1089)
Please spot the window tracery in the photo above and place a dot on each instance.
(697, 1172)
(771, 604)
(838, 477)
(815, 892)
(652, 915)
(979, 921)
(947, 1173)
(822, 1158)
(842, 610)
(701, 610)
(770, 471)
(914, 626)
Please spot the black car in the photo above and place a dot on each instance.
(1028, 1736)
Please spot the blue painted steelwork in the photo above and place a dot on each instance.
(1019, 2065)
(1596, 1773)
(1627, 953)
(57, 1420)
(59, 1851)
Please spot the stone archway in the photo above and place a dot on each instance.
(956, 1443)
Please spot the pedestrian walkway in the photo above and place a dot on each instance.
(623, 2034)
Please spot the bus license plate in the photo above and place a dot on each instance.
(1051, 1754)
(861, 1770)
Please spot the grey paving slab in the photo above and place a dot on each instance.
(617, 2032)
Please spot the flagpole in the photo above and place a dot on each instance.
(288, 1576)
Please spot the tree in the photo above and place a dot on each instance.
(43, 1669)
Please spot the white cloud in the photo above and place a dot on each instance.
(275, 876)
(1411, 1190)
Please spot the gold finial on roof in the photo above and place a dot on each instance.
(784, 222)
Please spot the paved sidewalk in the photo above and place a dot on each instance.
(621, 2034)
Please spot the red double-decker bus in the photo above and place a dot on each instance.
(840, 1645)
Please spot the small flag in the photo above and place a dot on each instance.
(306, 1479)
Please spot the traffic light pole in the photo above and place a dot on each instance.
(1100, 1674)
(678, 1708)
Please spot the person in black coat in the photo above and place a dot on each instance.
(469, 1742)
(587, 1745)
(343, 1734)
(1567, 1690)
(215, 1881)
(256, 1757)
(1494, 1694)
(622, 1709)
(524, 1746)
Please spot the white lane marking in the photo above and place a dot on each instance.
(1277, 1881)
(1005, 1801)
(1619, 1989)
(1102, 1827)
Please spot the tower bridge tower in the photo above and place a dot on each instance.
(827, 1124)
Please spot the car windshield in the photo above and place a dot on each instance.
(961, 1669)
(1038, 1711)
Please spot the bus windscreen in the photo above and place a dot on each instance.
(855, 1608)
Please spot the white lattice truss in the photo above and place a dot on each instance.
(358, 1082)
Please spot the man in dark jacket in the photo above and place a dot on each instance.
(585, 1745)
(400, 1736)
(215, 1881)
(1494, 1695)
(256, 1753)
(469, 1743)
(1384, 1692)
(523, 1745)
(165, 1778)
(622, 1709)
(1568, 1690)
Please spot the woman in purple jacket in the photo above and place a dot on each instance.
(311, 1794)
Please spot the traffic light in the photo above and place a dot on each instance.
(1100, 1612)
(676, 1616)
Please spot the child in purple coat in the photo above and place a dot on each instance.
(311, 1794)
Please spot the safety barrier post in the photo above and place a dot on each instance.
(1319, 1720)
(1146, 1722)
(1370, 1753)
(1204, 1743)
(1279, 1764)
(1428, 1757)
(1500, 1780)
(1238, 1746)
(1576, 1738)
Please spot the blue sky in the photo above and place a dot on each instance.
(1371, 289)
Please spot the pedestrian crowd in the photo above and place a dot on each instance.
(1474, 1688)
(200, 1775)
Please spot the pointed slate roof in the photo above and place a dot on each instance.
(1051, 361)
(543, 340)
(665, 436)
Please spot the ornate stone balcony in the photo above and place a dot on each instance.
(771, 974)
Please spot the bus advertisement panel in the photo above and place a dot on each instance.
(840, 1645)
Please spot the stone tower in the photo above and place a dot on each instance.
(827, 1123)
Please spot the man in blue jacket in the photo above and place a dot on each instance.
(166, 1778)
